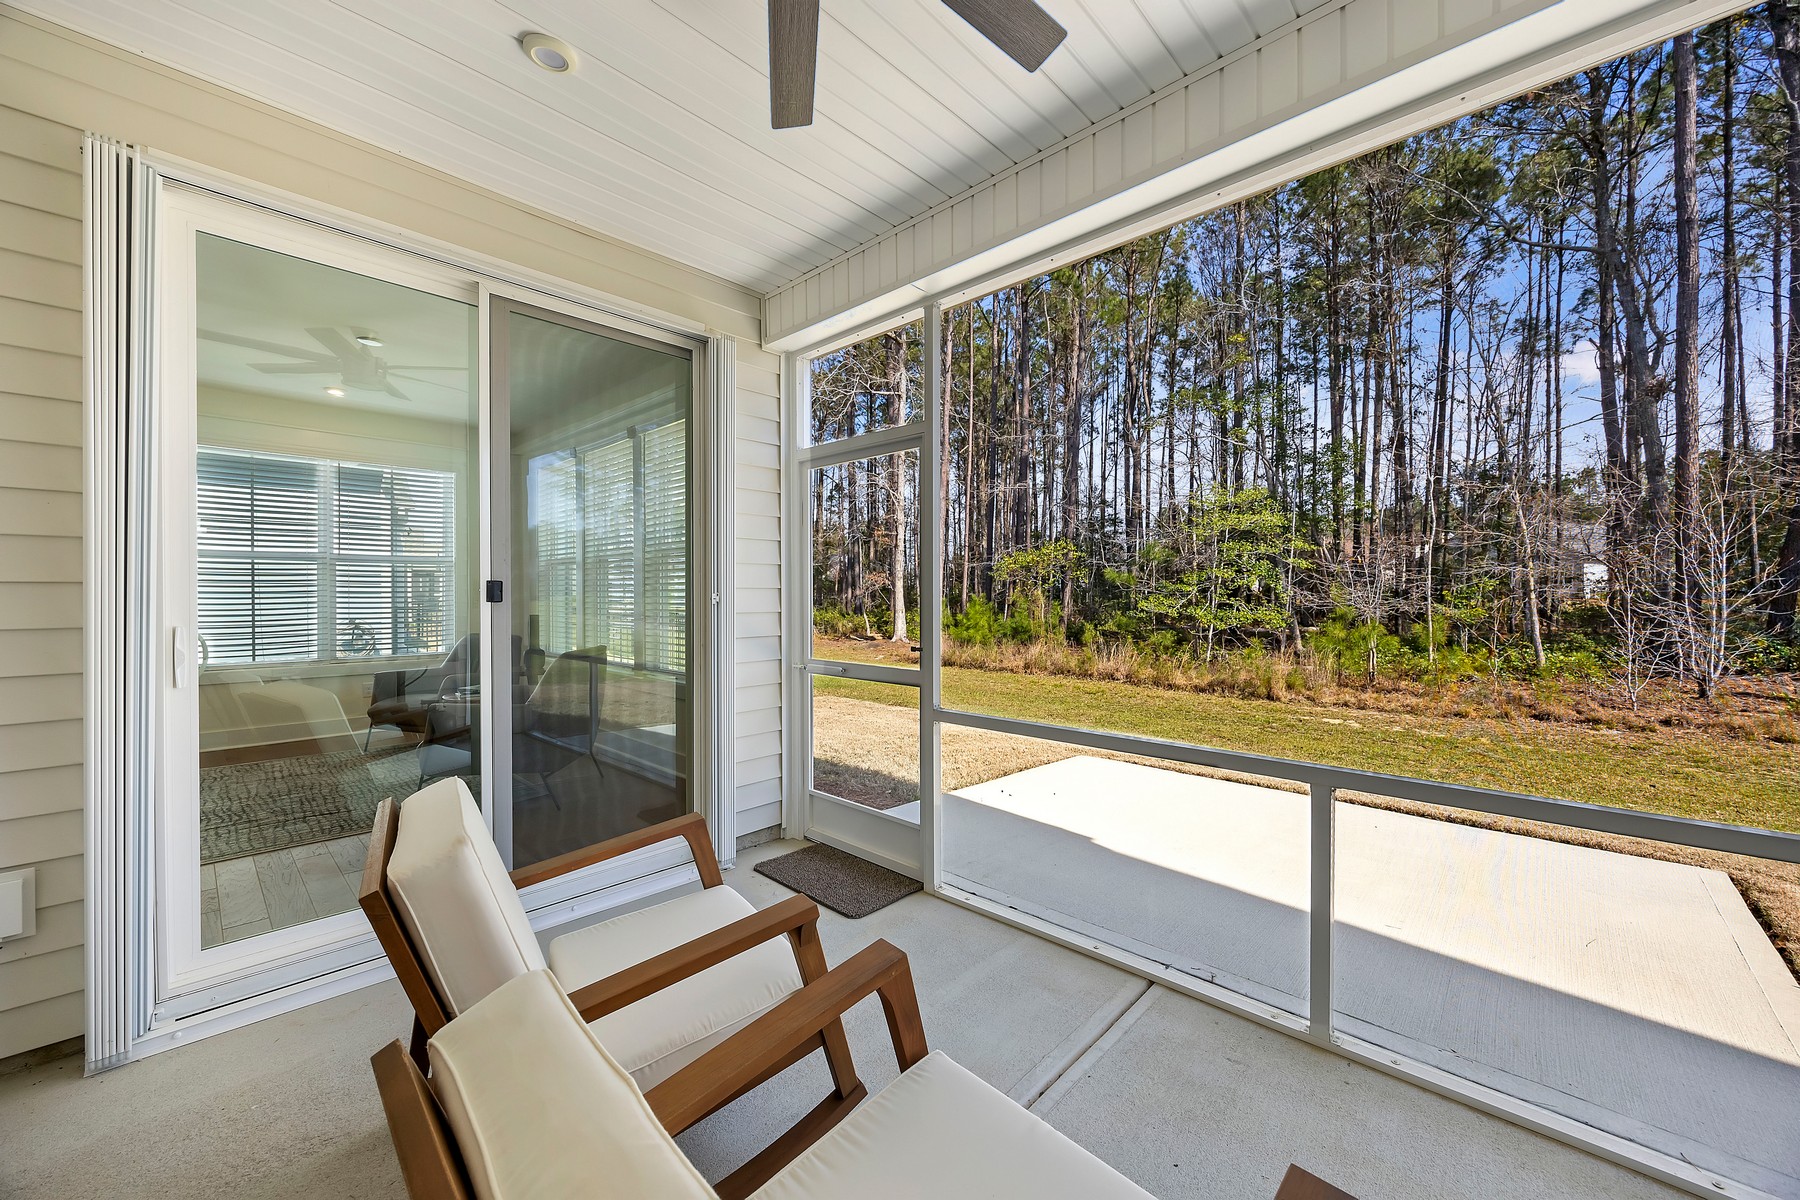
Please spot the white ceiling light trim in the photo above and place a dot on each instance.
(551, 53)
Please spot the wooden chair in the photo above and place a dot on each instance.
(1299, 1184)
(454, 929)
(522, 1103)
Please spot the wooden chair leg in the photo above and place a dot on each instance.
(416, 1050)
(810, 954)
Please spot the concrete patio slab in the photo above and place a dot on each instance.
(287, 1107)
(1200, 1103)
(1636, 995)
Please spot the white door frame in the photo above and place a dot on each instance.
(187, 977)
(807, 812)
(151, 988)
(709, 546)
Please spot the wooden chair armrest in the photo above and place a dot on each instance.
(751, 1053)
(1299, 1184)
(692, 827)
(652, 975)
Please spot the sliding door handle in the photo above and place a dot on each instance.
(178, 655)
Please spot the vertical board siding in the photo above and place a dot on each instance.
(53, 86)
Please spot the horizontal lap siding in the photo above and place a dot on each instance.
(756, 555)
(53, 85)
(41, 570)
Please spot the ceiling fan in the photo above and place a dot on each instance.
(1019, 27)
(352, 361)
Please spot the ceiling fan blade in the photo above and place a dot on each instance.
(393, 374)
(337, 343)
(388, 386)
(793, 61)
(299, 368)
(1021, 28)
(232, 339)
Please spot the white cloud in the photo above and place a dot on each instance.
(1581, 365)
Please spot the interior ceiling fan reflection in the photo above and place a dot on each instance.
(353, 361)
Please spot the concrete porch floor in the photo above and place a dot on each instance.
(1634, 995)
(1187, 1100)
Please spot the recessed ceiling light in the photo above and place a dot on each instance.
(334, 391)
(552, 54)
(368, 339)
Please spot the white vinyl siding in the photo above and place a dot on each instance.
(41, 570)
(53, 85)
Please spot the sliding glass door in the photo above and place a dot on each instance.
(395, 551)
(593, 428)
(321, 516)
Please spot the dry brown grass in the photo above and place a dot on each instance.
(1763, 709)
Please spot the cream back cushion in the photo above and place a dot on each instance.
(541, 1112)
(453, 892)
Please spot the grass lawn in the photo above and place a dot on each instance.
(1673, 771)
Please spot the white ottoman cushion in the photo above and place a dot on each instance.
(660, 1034)
(938, 1131)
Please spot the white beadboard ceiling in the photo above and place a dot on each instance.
(662, 137)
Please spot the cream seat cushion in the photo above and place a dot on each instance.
(465, 916)
(940, 1131)
(659, 1035)
(455, 895)
(541, 1112)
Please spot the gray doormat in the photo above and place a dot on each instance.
(844, 883)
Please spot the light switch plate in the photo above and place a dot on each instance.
(18, 903)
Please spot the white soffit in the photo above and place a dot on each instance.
(661, 137)
(1347, 77)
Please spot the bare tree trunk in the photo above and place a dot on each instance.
(1437, 487)
(1687, 334)
(968, 461)
(896, 482)
(1334, 336)
(1731, 366)
(1021, 426)
(1074, 392)
(1238, 399)
(1606, 270)
(1784, 22)
(947, 335)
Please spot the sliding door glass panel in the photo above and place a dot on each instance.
(600, 720)
(334, 483)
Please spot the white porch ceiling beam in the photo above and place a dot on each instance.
(1345, 78)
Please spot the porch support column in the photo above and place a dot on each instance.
(1324, 836)
(931, 603)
